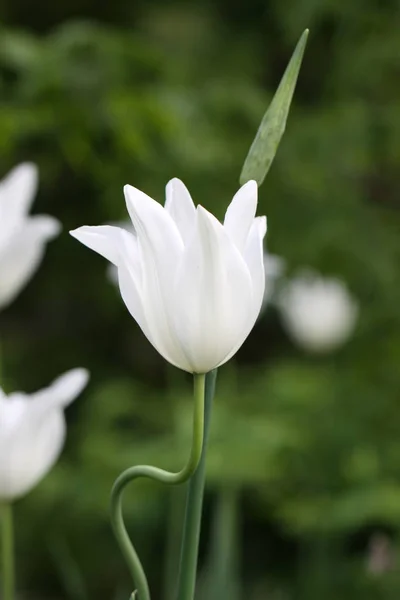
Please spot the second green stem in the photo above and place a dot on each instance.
(194, 505)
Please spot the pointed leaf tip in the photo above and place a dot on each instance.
(273, 124)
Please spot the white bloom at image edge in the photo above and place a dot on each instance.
(318, 313)
(22, 237)
(32, 432)
(194, 285)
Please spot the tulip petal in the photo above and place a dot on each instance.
(161, 248)
(102, 239)
(213, 295)
(121, 248)
(241, 212)
(17, 191)
(179, 205)
(22, 256)
(254, 257)
(154, 226)
(134, 303)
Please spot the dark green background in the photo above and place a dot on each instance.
(304, 463)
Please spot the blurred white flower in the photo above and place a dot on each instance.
(194, 286)
(32, 432)
(22, 237)
(274, 267)
(318, 313)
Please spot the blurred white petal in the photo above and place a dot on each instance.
(32, 433)
(64, 389)
(21, 258)
(17, 191)
(22, 238)
(318, 313)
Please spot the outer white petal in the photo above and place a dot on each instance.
(28, 454)
(179, 205)
(241, 212)
(121, 248)
(254, 257)
(116, 244)
(23, 254)
(161, 249)
(101, 239)
(135, 306)
(17, 191)
(213, 295)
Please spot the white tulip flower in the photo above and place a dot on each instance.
(318, 313)
(32, 432)
(22, 237)
(194, 286)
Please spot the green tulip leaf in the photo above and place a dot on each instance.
(273, 124)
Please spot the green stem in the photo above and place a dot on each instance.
(224, 556)
(7, 547)
(117, 521)
(194, 505)
(176, 505)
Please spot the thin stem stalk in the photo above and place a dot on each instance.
(7, 552)
(194, 505)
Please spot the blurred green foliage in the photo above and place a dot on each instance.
(306, 450)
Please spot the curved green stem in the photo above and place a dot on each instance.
(117, 521)
(7, 547)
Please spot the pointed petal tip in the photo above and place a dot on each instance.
(251, 187)
(55, 226)
(25, 173)
(130, 193)
(76, 233)
(204, 214)
(71, 384)
(263, 225)
(175, 186)
(48, 227)
(81, 375)
(175, 180)
(206, 221)
(250, 183)
(27, 168)
(134, 196)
